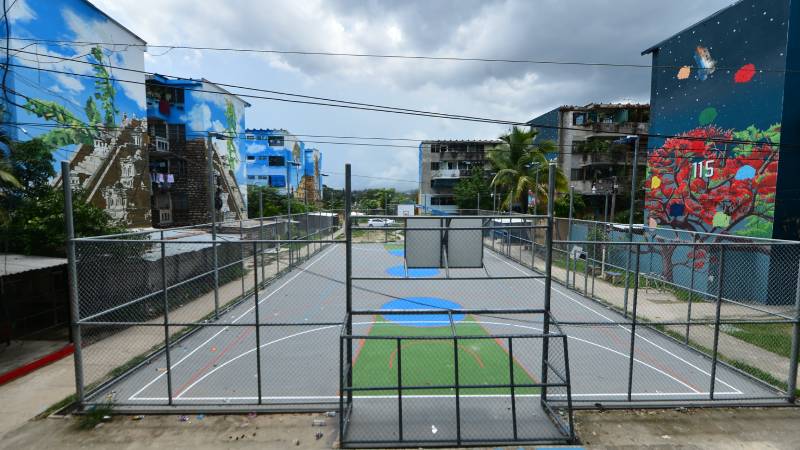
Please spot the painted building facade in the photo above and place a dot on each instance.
(79, 100)
(720, 96)
(277, 158)
(183, 117)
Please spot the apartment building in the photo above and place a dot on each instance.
(442, 163)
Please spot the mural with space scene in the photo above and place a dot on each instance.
(74, 97)
(717, 104)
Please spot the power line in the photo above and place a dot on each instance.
(171, 47)
(244, 134)
(387, 109)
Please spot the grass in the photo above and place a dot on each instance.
(94, 416)
(773, 337)
(431, 362)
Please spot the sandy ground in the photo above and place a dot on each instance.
(773, 428)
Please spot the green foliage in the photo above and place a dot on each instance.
(35, 209)
(75, 131)
(275, 203)
(104, 90)
(95, 415)
(332, 199)
(561, 205)
(379, 198)
(468, 189)
(230, 131)
(755, 226)
(516, 161)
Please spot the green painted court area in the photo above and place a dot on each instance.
(425, 362)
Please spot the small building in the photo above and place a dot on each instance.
(95, 119)
(585, 135)
(184, 117)
(278, 159)
(442, 163)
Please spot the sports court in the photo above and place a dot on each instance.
(298, 342)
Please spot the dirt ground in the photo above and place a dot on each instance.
(775, 428)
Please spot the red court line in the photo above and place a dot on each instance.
(50, 358)
(213, 361)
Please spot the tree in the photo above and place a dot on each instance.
(561, 205)
(35, 210)
(275, 202)
(332, 199)
(516, 161)
(468, 189)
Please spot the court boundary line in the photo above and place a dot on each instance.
(574, 300)
(302, 271)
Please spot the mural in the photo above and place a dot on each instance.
(717, 105)
(273, 154)
(72, 96)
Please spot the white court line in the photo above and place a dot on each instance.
(422, 321)
(336, 397)
(302, 270)
(626, 329)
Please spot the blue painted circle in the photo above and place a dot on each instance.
(422, 320)
(397, 252)
(399, 271)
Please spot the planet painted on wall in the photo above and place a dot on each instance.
(702, 57)
(745, 173)
(745, 73)
(707, 115)
(721, 220)
(684, 72)
(655, 183)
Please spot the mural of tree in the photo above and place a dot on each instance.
(74, 130)
(705, 180)
(230, 132)
(715, 181)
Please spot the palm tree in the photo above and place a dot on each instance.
(515, 161)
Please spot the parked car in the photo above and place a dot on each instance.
(380, 223)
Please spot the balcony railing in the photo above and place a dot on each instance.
(446, 173)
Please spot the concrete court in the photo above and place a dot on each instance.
(216, 366)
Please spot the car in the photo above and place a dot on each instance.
(380, 223)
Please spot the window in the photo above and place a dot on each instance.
(443, 201)
(277, 161)
(180, 202)
(157, 128)
(176, 133)
(251, 158)
(251, 177)
(578, 118)
(434, 165)
(275, 141)
(277, 181)
(250, 137)
(263, 177)
(262, 158)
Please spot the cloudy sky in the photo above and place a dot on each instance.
(610, 31)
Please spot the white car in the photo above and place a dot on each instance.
(380, 223)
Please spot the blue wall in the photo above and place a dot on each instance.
(95, 123)
(257, 150)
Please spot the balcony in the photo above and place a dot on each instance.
(446, 173)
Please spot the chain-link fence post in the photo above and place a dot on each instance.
(717, 313)
(212, 212)
(261, 233)
(792, 381)
(513, 386)
(399, 350)
(633, 323)
(164, 287)
(72, 269)
(548, 278)
(258, 323)
(277, 248)
(348, 233)
(691, 290)
(241, 255)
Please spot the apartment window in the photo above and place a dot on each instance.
(262, 158)
(180, 202)
(277, 181)
(250, 137)
(434, 165)
(263, 177)
(578, 118)
(251, 158)
(442, 201)
(275, 141)
(157, 128)
(176, 133)
(251, 177)
(277, 161)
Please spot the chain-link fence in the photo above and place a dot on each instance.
(160, 311)
(723, 307)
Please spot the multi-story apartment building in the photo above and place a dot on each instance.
(442, 163)
(587, 154)
(184, 118)
(277, 158)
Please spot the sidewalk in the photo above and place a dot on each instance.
(29, 396)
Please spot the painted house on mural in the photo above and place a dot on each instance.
(184, 116)
(75, 98)
(720, 160)
(275, 156)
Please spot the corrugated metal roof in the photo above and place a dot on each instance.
(12, 264)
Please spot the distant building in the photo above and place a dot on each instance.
(181, 116)
(587, 154)
(442, 163)
(721, 92)
(278, 159)
(92, 119)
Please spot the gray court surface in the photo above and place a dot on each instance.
(216, 365)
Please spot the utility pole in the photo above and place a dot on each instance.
(635, 140)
